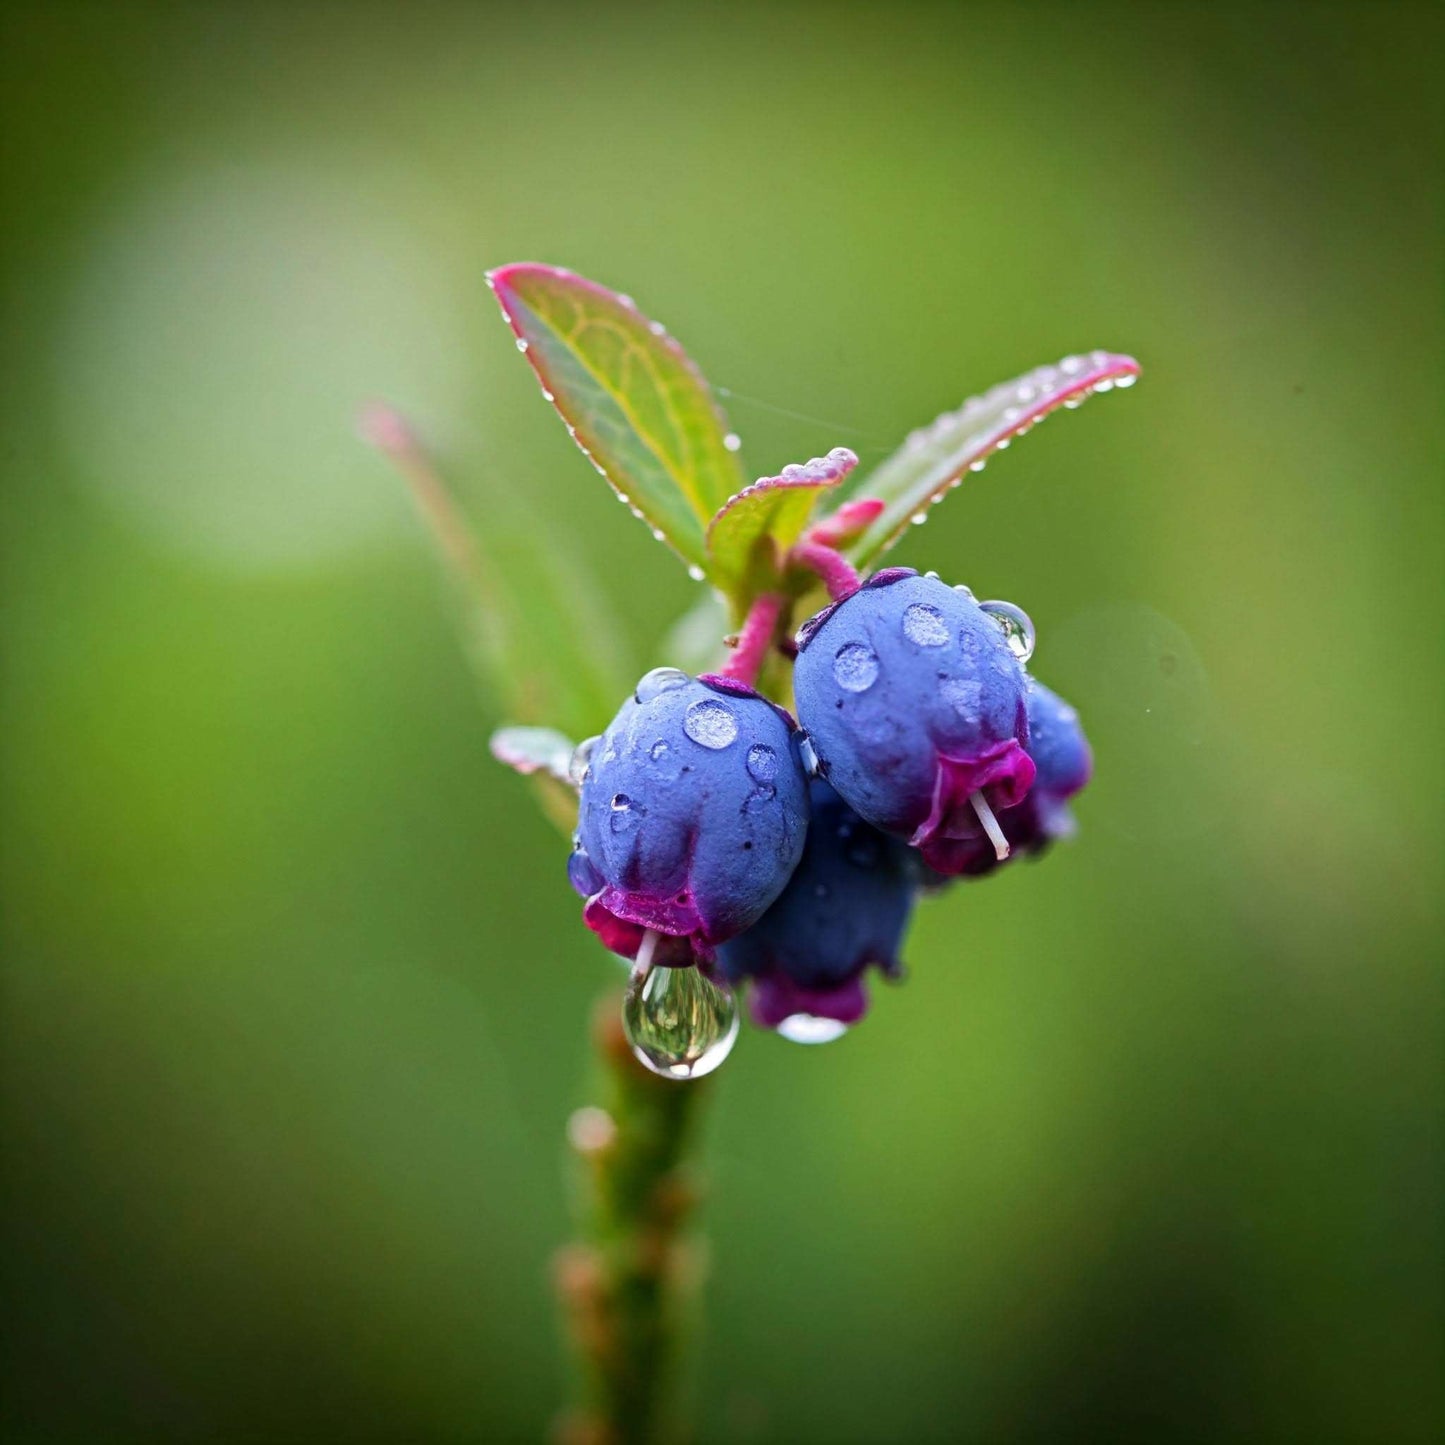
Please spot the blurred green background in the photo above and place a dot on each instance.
(1149, 1148)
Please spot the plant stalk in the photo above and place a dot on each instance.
(627, 1281)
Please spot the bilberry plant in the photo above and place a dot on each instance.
(765, 821)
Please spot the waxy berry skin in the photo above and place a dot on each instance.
(913, 702)
(1064, 763)
(845, 907)
(692, 816)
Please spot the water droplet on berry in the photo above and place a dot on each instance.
(581, 757)
(679, 1023)
(762, 762)
(760, 798)
(625, 813)
(810, 1029)
(855, 668)
(660, 680)
(710, 725)
(964, 591)
(925, 625)
(1018, 630)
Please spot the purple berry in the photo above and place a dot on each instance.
(692, 816)
(915, 707)
(1061, 755)
(845, 907)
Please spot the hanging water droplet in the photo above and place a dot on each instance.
(855, 668)
(732, 441)
(1017, 628)
(977, 466)
(918, 518)
(807, 755)
(581, 757)
(522, 343)
(679, 1023)
(696, 573)
(1126, 381)
(810, 1029)
(710, 724)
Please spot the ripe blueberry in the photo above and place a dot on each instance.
(915, 707)
(845, 907)
(692, 816)
(1063, 761)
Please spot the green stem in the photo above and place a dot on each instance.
(624, 1283)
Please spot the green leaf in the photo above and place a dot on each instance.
(631, 398)
(748, 537)
(544, 643)
(936, 458)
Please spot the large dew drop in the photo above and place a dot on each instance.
(1018, 630)
(924, 625)
(660, 680)
(679, 1023)
(710, 724)
(855, 668)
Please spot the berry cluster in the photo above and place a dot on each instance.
(719, 833)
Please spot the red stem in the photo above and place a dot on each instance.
(756, 637)
(837, 573)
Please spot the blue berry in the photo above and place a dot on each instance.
(1063, 761)
(845, 907)
(914, 704)
(692, 816)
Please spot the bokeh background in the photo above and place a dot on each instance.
(1149, 1147)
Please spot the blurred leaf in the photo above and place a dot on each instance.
(935, 458)
(546, 647)
(695, 641)
(631, 398)
(531, 750)
(747, 538)
(544, 755)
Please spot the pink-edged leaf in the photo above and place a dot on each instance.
(775, 508)
(938, 456)
(534, 750)
(631, 398)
